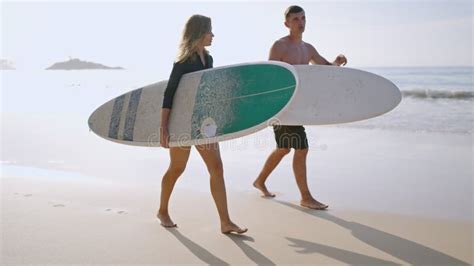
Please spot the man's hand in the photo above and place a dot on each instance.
(164, 137)
(340, 60)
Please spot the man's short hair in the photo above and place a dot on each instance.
(293, 9)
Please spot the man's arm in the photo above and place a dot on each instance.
(319, 60)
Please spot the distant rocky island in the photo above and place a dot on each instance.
(6, 65)
(77, 64)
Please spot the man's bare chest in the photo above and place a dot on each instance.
(297, 55)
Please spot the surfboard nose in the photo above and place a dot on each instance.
(387, 93)
(334, 95)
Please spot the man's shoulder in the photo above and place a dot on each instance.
(309, 46)
(280, 44)
(281, 41)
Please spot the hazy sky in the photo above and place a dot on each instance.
(145, 35)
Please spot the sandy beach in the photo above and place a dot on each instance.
(399, 185)
(74, 222)
(395, 198)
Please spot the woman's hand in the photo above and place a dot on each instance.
(164, 137)
(164, 134)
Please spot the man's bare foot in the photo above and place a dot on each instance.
(232, 228)
(166, 220)
(313, 204)
(263, 189)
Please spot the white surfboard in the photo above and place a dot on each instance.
(333, 95)
(209, 106)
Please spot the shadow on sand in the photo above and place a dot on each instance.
(250, 252)
(403, 249)
(196, 249)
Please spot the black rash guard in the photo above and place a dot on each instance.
(192, 64)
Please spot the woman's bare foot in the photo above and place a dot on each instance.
(166, 220)
(263, 189)
(232, 228)
(313, 204)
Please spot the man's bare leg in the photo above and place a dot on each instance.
(299, 168)
(270, 164)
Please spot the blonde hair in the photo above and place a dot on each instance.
(194, 30)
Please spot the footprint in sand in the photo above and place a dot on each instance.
(57, 205)
(118, 212)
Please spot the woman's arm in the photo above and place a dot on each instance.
(173, 83)
(164, 134)
(170, 90)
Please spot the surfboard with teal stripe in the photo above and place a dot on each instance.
(209, 106)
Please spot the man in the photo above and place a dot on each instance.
(293, 50)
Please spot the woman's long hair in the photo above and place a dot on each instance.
(194, 30)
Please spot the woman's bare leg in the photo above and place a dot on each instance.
(210, 153)
(178, 158)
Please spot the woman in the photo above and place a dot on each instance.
(192, 57)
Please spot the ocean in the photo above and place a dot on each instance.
(435, 99)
